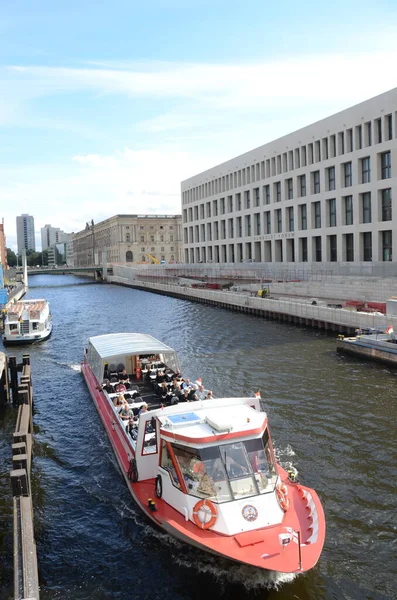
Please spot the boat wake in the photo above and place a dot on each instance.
(223, 570)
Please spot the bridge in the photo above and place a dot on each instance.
(97, 270)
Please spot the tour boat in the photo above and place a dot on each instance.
(204, 471)
(27, 321)
(374, 344)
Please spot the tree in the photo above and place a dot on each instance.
(11, 258)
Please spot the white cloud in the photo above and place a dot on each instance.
(98, 187)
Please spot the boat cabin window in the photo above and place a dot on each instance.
(150, 438)
(167, 464)
(13, 326)
(35, 326)
(230, 471)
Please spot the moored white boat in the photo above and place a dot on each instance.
(27, 321)
(373, 344)
(205, 470)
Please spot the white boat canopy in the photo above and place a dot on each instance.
(117, 347)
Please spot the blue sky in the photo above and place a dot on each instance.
(106, 106)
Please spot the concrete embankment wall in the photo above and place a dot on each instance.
(290, 310)
(371, 289)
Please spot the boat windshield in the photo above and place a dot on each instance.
(230, 471)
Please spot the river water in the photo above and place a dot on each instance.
(333, 418)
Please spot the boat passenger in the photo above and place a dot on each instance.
(201, 393)
(106, 386)
(186, 384)
(120, 387)
(125, 412)
(209, 395)
(143, 409)
(119, 400)
(124, 378)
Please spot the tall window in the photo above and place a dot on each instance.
(368, 133)
(239, 227)
(365, 170)
(389, 127)
(268, 227)
(256, 197)
(366, 207)
(278, 220)
(316, 182)
(332, 248)
(332, 212)
(302, 185)
(247, 201)
(238, 201)
(317, 214)
(231, 228)
(222, 206)
(385, 164)
(290, 193)
(290, 218)
(386, 204)
(277, 191)
(248, 225)
(266, 194)
(378, 124)
(348, 201)
(347, 172)
(303, 216)
(257, 223)
(317, 248)
(367, 246)
(230, 203)
(331, 178)
(387, 245)
(128, 256)
(303, 244)
(349, 241)
(359, 137)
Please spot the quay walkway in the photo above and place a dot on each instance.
(289, 308)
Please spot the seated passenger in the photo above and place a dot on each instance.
(201, 393)
(125, 412)
(124, 378)
(119, 400)
(209, 395)
(143, 409)
(120, 387)
(106, 386)
(186, 384)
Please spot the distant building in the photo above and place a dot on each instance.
(61, 252)
(25, 233)
(49, 236)
(129, 239)
(3, 247)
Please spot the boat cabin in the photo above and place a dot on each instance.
(29, 319)
(219, 451)
(107, 355)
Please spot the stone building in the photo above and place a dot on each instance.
(130, 239)
(323, 194)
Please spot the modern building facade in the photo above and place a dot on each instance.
(129, 239)
(25, 233)
(3, 247)
(49, 236)
(322, 194)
